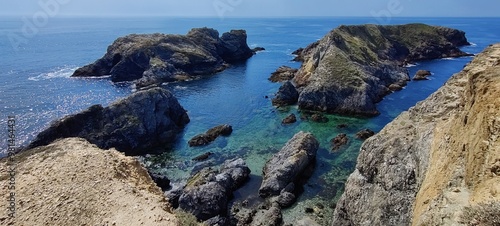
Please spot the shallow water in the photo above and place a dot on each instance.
(36, 88)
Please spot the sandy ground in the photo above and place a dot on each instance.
(72, 182)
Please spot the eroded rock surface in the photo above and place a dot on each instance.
(433, 160)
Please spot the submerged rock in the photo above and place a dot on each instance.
(288, 164)
(156, 58)
(206, 194)
(339, 141)
(421, 75)
(318, 117)
(290, 119)
(203, 156)
(287, 95)
(365, 134)
(353, 67)
(283, 74)
(211, 135)
(133, 125)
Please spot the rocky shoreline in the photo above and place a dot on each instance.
(353, 67)
(435, 161)
(153, 59)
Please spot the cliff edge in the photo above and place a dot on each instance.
(72, 182)
(437, 162)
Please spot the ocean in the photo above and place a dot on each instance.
(36, 88)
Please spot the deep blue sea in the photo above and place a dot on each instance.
(36, 88)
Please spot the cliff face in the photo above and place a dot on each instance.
(351, 69)
(72, 182)
(436, 159)
(155, 58)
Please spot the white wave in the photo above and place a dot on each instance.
(472, 44)
(411, 65)
(449, 58)
(64, 72)
(180, 87)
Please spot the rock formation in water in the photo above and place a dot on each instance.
(288, 164)
(144, 120)
(211, 135)
(353, 67)
(72, 182)
(286, 95)
(436, 164)
(207, 193)
(156, 58)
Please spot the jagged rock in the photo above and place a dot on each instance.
(421, 75)
(288, 164)
(289, 119)
(133, 125)
(211, 135)
(283, 74)
(206, 193)
(156, 58)
(350, 69)
(161, 180)
(287, 95)
(365, 134)
(216, 221)
(339, 141)
(395, 87)
(434, 160)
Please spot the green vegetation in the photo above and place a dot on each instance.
(186, 219)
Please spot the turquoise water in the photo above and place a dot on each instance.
(35, 87)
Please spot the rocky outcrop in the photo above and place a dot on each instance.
(365, 134)
(87, 186)
(421, 75)
(206, 194)
(287, 95)
(133, 125)
(353, 67)
(283, 74)
(211, 135)
(339, 141)
(435, 160)
(289, 119)
(287, 165)
(156, 58)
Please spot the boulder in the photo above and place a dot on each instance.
(134, 125)
(353, 67)
(287, 95)
(288, 164)
(318, 117)
(211, 135)
(421, 75)
(202, 157)
(338, 141)
(156, 58)
(289, 119)
(365, 134)
(283, 74)
(206, 194)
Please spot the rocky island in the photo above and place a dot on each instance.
(149, 59)
(353, 67)
(436, 164)
(144, 120)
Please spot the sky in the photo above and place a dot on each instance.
(253, 8)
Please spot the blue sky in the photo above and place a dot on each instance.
(256, 8)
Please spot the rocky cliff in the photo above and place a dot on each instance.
(155, 58)
(351, 69)
(436, 164)
(72, 182)
(133, 125)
